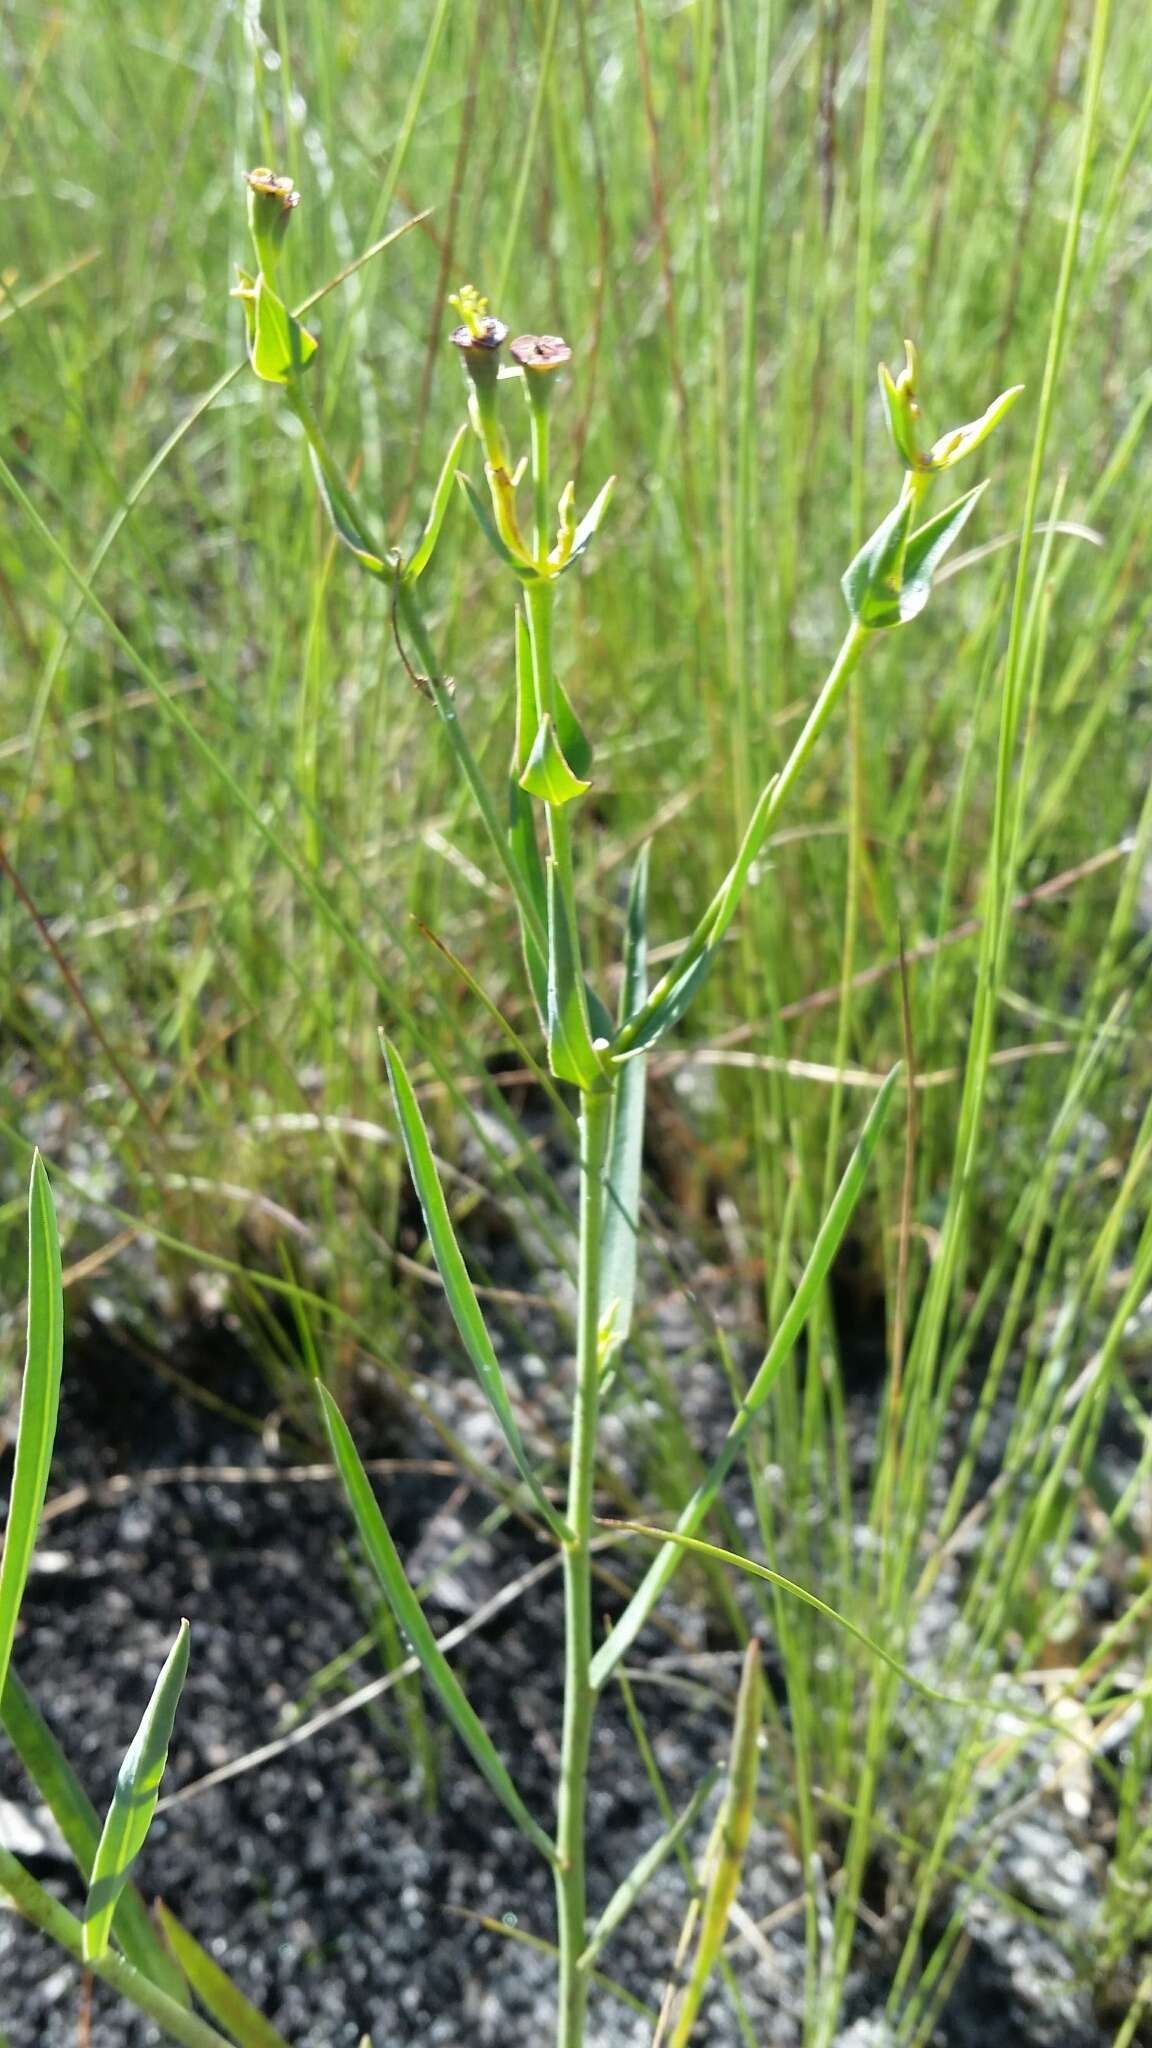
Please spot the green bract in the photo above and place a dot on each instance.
(890, 580)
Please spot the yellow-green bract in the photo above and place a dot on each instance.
(134, 1800)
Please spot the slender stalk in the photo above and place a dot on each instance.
(53, 1919)
(719, 912)
(541, 511)
(579, 1697)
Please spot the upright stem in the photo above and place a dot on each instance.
(579, 1698)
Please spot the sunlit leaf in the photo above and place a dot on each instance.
(79, 1823)
(134, 1800)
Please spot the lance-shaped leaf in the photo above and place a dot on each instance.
(39, 1405)
(216, 1991)
(458, 1289)
(571, 1053)
(346, 522)
(384, 1559)
(495, 539)
(724, 1861)
(828, 1239)
(548, 774)
(927, 548)
(676, 998)
(425, 546)
(588, 528)
(280, 346)
(644, 1870)
(871, 583)
(621, 1234)
(79, 1823)
(134, 1800)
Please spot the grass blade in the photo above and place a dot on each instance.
(466, 1312)
(831, 1231)
(79, 1823)
(134, 1800)
(621, 1239)
(383, 1557)
(39, 1405)
(645, 1867)
(216, 1992)
(729, 1842)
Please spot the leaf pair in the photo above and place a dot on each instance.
(890, 581)
(572, 542)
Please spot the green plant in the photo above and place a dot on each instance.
(600, 1056)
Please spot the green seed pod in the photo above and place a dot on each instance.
(272, 201)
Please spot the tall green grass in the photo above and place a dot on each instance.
(731, 211)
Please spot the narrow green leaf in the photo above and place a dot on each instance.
(217, 1993)
(571, 1053)
(828, 1238)
(677, 998)
(927, 548)
(871, 582)
(79, 1823)
(458, 1289)
(644, 1869)
(345, 523)
(383, 1557)
(621, 1234)
(588, 527)
(548, 774)
(495, 539)
(725, 1862)
(39, 1405)
(280, 345)
(425, 546)
(134, 1800)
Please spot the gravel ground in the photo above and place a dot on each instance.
(320, 1878)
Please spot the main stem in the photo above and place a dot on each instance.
(579, 1697)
